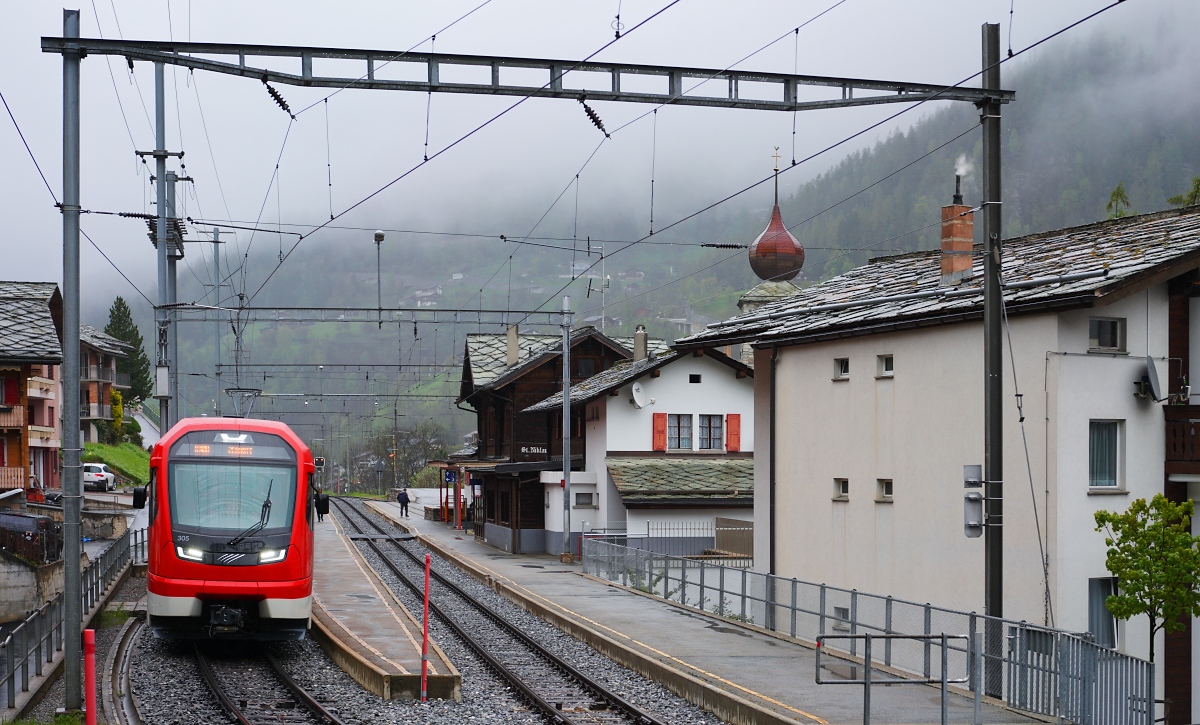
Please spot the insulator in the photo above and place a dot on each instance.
(595, 118)
(278, 98)
(724, 246)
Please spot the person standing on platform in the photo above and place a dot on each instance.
(403, 499)
(322, 504)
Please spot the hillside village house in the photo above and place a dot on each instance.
(98, 377)
(668, 440)
(867, 407)
(30, 351)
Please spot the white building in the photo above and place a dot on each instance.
(669, 439)
(870, 385)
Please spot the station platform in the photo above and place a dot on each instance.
(363, 628)
(739, 673)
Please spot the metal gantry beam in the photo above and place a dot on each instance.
(497, 75)
(391, 315)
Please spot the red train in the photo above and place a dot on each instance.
(230, 540)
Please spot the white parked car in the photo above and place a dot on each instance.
(98, 477)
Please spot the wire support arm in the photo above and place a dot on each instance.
(849, 91)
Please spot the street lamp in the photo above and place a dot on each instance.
(379, 275)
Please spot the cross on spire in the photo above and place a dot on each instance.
(776, 176)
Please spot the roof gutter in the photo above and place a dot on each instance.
(771, 486)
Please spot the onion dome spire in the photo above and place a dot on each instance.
(776, 254)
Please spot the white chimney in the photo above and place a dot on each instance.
(639, 343)
(514, 347)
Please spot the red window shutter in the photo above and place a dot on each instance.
(733, 432)
(660, 431)
(11, 394)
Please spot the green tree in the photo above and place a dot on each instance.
(1118, 202)
(118, 416)
(1189, 199)
(1156, 561)
(137, 365)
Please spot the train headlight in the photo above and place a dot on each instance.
(189, 553)
(270, 556)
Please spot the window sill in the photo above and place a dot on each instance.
(889, 376)
(842, 499)
(1107, 491)
(884, 500)
(1106, 351)
(845, 379)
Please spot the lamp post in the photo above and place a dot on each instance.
(379, 276)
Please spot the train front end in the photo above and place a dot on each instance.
(230, 533)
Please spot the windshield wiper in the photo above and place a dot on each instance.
(263, 515)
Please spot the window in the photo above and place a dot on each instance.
(1104, 441)
(694, 378)
(883, 366)
(679, 432)
(883, 492)
(841, 489)
(585, 367)
(711, 435)
(1106, 334)
(841, 368)
(585, 500)
(841, 619)
(1101, 622)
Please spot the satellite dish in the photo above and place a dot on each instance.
(639, 395)
(1156, 390)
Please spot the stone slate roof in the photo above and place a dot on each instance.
(103, 342)
(30, 322)
(904, 290)
(644, 481)
(488, 353)
(602, 382)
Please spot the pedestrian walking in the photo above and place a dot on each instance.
(403, 499)
(322, 504)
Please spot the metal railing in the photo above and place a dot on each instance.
(121, 380)
(95, 410)
(39, 547)
(1032, 668)
(97, 372)
(31, 644)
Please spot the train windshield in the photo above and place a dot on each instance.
(220, 482)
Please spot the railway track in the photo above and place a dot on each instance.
(254, 694)
(118, 703)
(554, 687)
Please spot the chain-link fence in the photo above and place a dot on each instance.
(1036, 669)
(30, 646)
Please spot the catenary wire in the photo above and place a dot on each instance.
(459, 140)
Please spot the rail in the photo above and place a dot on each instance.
(1031, 668)
(32, 643)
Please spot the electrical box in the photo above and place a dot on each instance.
(973, 514)
(162, 382)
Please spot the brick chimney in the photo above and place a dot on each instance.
(958, 238)
(639, 343)
(513, 353)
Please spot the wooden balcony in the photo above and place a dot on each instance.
(12, 477)
(12, 416)
(1183, 438)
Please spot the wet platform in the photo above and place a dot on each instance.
(741, 674)
(363, 628)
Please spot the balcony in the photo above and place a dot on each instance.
(95, 411)
(1183, 438)
(43, 436)
(121, 380)
(92, 373)
(12, 416)
(41, 388)
(12, 477)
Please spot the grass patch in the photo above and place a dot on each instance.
(127, 459)
(113, 617)
(371, 496)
